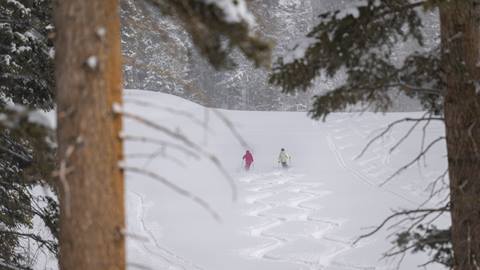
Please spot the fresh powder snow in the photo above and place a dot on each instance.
(305, 217)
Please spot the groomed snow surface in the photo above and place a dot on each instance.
(305, 217)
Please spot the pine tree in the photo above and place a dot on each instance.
(26, 161)
(362, 42)
(26, 147)
(88, 85)
(460, 33)
(26, 68)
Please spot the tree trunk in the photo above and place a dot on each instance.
(460, 30)
(89, 81)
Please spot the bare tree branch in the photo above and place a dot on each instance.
(433, 187)
(175, 188)
(421, 89)
(398, 214)
(390, 127)
(189, 143)
(161, 143)
(153, 156)
(406, 135)
(424, 135)
(173, 111)
(418, 157)
(232, 128)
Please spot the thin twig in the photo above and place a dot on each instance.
(175, 188)
(433, 185)
(397, 214)
(392, 125)
(406, 166)
(232, 128)
(424, 135)
(406, 135)
(162, 143)
(173, 111)
(190, 144)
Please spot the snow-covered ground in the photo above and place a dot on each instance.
(302, 218)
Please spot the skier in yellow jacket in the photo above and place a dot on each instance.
(284, 158)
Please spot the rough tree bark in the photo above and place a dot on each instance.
(460, 30)
(88, 81)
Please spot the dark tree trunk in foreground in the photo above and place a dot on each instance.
(461, 51)
(88, 81)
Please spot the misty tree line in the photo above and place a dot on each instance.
(360, 43)
(159, 56)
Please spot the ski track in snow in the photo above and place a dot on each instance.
(285, 209)
(171, 260)
(372, 170)
(264, 206)
(360, 175)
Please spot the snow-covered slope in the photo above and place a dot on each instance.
(302, 218)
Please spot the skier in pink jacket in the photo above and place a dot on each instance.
(248, 158)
